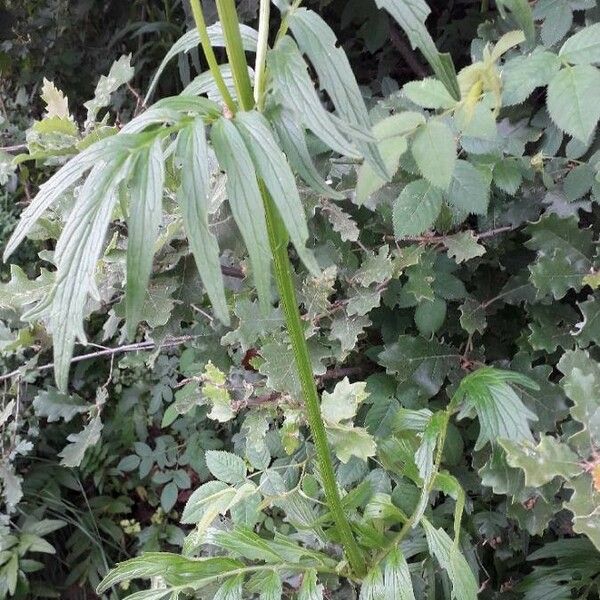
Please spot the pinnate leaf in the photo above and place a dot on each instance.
(193, 197)
(143, 224)
(246, 202)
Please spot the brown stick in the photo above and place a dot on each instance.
(149, 345)
(407, 53)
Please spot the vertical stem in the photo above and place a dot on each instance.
(278, 240)
(235, 51)
(209, 54)
(261, 52)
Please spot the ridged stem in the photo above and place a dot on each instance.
(209, 54)
(261, 52)
(278, 241)
(235, 52)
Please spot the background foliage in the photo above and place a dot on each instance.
(480, 251)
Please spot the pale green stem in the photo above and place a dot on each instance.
(278, 240)
(235, 52)
(411, 523)
(209, 54)
(261, 52)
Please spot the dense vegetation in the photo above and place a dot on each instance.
(302, 308)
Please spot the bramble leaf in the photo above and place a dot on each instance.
(501, 413)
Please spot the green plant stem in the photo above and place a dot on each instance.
(278, 240)
(261, 52)
(235, 52)
(285, 23)
(412, 521)
(209, 54)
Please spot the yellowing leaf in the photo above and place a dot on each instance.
(57, 104)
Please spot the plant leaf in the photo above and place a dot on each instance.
(190, 40)
(390, 134)
(272, 167)
(434, 150)
(310, 590)
(416, 208)
(144, 221)
(411, 15)
(225, 466)
(316, 39)
(542, 463)
(294, 89)
(500, 411)
(174, 569)
(72, 454)
(292, 138)
(469, 190)
(246, 202)
(464, 584)
(583, 48)
(571, 100)
(193, 197)
(77, 253)
(59, 183)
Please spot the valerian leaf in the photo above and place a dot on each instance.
(191, 39)
(411, 15)
(173, 568)
(310, 589)
(193, 197)
(272, 167)
(464, 584)
(143, 224)
(292, 138)
(246, 202)
(77, 253)
(294, 89)
(316, 39)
